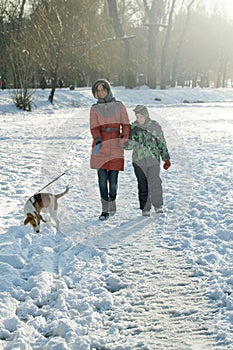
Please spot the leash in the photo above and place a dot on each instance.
(58, 177)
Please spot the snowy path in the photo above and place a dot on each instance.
(169, 310)
(147, 296)
(161, 283)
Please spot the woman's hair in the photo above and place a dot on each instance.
(104, 83)
(96, 91)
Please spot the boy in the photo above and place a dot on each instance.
(149, 146)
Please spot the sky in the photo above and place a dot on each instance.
(130, 283)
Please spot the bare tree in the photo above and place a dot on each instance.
(66, 44)
(57, 39)
(17, 52)
(153, 15)
(118, 28)
(179, 44)
(164, 68)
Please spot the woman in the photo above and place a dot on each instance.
(110, 128)
(149, 146)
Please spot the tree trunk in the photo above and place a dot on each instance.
(164, 73)
(153, 14)
(54, 84)
(178, 49)
(224, 82)
(119, 31)
(151, 66)
(113, 13)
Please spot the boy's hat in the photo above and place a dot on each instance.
(141, 109)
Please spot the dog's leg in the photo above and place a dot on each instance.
(53, 211)
(55, 218)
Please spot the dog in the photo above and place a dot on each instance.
(46, 202)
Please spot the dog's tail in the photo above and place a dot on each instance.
(63, 193)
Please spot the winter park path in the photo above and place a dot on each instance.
(135, 292)
(162, 305)
(130, 283)
(156, 300)
(169, 311)
(147, 298)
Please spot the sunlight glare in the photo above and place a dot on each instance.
(222, 6)
(226, 8)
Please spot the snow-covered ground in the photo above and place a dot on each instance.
(131, 282)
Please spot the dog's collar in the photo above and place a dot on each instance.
(36, 198)
(32, 200)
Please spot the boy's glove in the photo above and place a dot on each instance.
(167, 164)
(97, 147)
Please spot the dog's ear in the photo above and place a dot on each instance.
(42, 218)
(26, 221)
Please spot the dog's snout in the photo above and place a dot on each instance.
(37, 231)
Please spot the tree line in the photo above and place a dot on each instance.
(159, 43)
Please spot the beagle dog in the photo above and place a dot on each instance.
(46, 202)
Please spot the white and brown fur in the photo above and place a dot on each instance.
(46, 202)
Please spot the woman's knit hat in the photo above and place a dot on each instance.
(141, 109)
(102, 82)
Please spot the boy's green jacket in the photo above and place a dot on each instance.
(148, 143)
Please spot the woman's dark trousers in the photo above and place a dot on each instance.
(108, 186)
